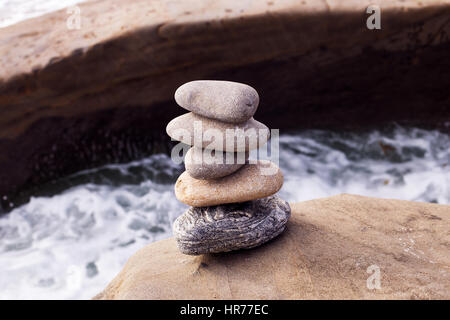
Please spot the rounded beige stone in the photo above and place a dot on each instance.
(226, 101)
(202, 132)
(212, 164)
(252, 181)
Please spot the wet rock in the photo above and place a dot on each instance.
(230, 227)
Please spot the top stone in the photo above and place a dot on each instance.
(226, 101)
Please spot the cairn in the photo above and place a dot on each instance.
(232, 199)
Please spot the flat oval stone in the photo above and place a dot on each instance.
(226, 101)
(230, 227)
(205, 133)
(252, 181)
(211, 164)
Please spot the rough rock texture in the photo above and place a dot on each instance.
(230, 227)
(210, 164)
(73, 99)
(190, 128)
(324, 253)
(252, 181)
(226, 101)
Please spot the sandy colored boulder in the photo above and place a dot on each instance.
(324, 253)
(210, 164)
(203, 132)
(252, 181)
(226, 101)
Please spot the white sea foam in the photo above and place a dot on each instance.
(72, 244)
(409, 164)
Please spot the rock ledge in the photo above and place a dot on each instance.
(325, 253)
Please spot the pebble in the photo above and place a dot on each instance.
(230, 227)
(212, 164)
(190, 128)
(226, 101)
(252, 181)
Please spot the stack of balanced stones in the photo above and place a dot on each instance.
(232, 199)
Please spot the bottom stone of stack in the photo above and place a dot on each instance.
(232, 226)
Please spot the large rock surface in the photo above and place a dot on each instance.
(73, 99)
(324, 253)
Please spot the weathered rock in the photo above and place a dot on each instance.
(189, 128)
(324, 253)
(230, 227)
(211, 164)
(226, 101)
(252, 181)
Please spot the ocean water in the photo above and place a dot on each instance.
(13, 11)
(71, 244)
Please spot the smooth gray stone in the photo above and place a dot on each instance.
(210, 164)
(226, 101)
(230, 227)
(205, 133)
